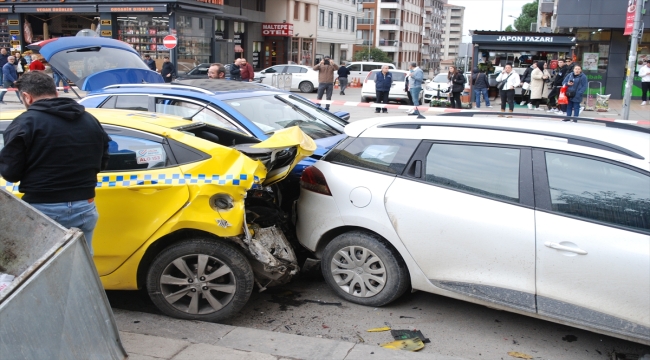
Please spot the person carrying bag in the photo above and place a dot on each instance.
(577, 85)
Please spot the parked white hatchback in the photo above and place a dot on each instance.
(539, 217)
(397, 92)
(303, 78)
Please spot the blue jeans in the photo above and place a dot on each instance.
(415, 95)
(573, 108)
(58, 79)
(477, 97)
(79, 214)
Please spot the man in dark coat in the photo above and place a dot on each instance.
(168, 70)
(383, 82)
(151, 63)
(235, 70)
(560, 73)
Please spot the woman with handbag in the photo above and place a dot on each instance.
(539, 77)
(577, 85)
(457, 84)
(20, 64)
(507, 81)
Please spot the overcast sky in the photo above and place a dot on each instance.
(486, 14)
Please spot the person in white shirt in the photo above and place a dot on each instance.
(644, 74)
(511, 79)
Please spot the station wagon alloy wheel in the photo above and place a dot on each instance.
(358, 271)
(198, 284)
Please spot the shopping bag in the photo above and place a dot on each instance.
(563, 99)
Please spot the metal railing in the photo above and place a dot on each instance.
(389, 22)
(388, 42)
(365, 21)
(366, 42)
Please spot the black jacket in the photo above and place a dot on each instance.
(55, 149)
(343, 72)
(3, 60)
(458, 83)
(480, 81)
(527, 76)
(168, 68)
(560, 75)
(235, 72)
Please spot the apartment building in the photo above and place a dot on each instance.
(336, 29)
(452, 30)
(393, 26)
(289, 32)
(432, 35)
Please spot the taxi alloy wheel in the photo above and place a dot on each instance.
(200, 279)
(363, 268)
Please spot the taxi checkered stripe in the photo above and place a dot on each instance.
(148, 179)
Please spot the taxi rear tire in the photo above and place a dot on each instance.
(200, 279)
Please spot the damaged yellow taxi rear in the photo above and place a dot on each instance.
(188, 211)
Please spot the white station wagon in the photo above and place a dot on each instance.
(543, 218)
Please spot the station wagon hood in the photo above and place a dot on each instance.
(93, 63)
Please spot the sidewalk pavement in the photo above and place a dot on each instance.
(156, 337)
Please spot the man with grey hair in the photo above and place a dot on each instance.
(415, 86)
(9, 78)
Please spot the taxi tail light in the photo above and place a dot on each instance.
(313, 179)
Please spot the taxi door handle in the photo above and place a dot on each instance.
(564, 248)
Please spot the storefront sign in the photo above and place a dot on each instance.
(14, 22)
(524, 39)
(132, 9)
(106, 33)
(546, 39)
(106, 22)
(277, 29)
(629, 18)
(14, 32)
(55, 9)
(7, 10)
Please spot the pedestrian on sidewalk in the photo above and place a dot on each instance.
(151, 63)
(525, 85)
(36, 64)
(4, 58)
(325, 69)
(235, 71)
(246, 70)
(480, 84)
(644, 74)
(20, 64)
(168, 70)
(343, 74)
(539, 77)
(55, 150)
(457, 85)
(560, 73)
(577, 85)
(510, 81)
(9, 78)
(383, 83)
(407, 89)
(415, 86)
(60, 79)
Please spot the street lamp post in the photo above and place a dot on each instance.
(502, 4)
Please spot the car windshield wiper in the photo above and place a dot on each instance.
(86, 49)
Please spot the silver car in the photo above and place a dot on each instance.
(543, 218)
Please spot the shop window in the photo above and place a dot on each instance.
(145, 33)
(193, 42)
(4, 33)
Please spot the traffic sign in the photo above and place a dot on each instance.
(170, 41)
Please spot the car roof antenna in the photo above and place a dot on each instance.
(196, 113)
(420, 116)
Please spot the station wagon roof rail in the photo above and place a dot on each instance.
(166, 86)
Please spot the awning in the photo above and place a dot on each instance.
(59, 9)
(239, 49)
(227, 16)
(199, 9)
(132, 8)
(521, 47)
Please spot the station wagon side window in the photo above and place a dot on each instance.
(129, 102)
(132, 153)
(384, 155)
(184, 108)
(598, 190)
(482, 170)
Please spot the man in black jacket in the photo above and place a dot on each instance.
(526, 78)
(235, 71)
(168, 70)
(560, 73)
(55, 150)
(343, 73)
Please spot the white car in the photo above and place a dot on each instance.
(303, 78)
(543, 218)
(361, 69)
(397, 93)
(439, 87)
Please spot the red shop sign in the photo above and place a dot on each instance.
(629, 17)
(277, 29)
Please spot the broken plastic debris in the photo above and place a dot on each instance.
(319, 302)
(409, 334)
(519, 355)
(408, 345)
(5, 280)
(379, 329)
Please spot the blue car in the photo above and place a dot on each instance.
(116, 78)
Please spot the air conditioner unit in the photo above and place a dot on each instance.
(533, 27)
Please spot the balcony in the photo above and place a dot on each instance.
(546, 7)
(365, 21)
(390, 4)
(389, 45)
(389, 24)
(365, 42)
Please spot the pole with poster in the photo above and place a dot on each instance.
(636, 7)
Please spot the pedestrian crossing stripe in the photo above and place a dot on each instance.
(114, 181)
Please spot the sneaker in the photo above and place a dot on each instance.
(643, 103)
(539, 109)
(552, 111)
(410, 111)
(489, 106)
(530, 106)
(582, 108)
(522, 103)
(341, 93)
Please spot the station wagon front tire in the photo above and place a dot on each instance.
(306, 87)
(361, 268)
(200, 279)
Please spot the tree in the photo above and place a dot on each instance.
(375, 55)
(528, 16)
(510, 28)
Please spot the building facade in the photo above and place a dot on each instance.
(452, 31)
(393, 26)
(238, 31)
(601, 48)
(336, 33)
(290, 31)
(432, 35)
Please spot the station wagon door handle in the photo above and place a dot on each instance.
(564, 248)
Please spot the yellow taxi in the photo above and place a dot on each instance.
(193, 221)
